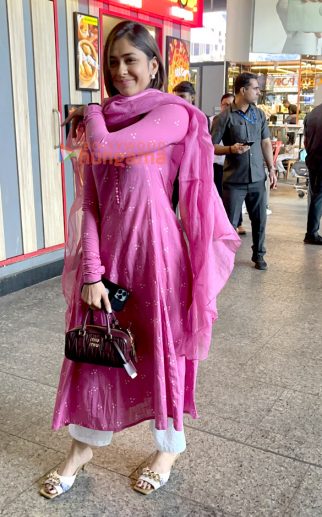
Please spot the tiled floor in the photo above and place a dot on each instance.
(257, 448)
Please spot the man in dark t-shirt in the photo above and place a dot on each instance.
(313, 146)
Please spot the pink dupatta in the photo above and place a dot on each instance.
(212, 241)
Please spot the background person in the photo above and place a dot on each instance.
(225, 101)
(291, 108)
(131, 235)
(219, 159)
(313, 146)
(291, 118)
(186, 91)
(244, 172)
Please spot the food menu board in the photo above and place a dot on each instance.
(178, 61)
(86, 51)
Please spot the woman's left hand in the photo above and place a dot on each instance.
(75, 118)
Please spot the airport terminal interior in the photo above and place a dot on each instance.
(252, 409)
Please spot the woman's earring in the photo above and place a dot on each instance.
(153, 76)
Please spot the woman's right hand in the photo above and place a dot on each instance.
(75, 118)
(94, 295)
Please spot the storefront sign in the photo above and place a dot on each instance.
(178, 61)
(86, 51)
(282, 83)
(186, 12)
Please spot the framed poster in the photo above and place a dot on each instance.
(177, 61)
(87, 66)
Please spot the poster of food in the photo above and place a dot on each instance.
(178, 61)
(86, 51)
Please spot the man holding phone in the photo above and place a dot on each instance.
(246, 143)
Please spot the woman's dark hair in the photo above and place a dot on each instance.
(243, 80)
(292, 109)
(184, 87)
(141, 39)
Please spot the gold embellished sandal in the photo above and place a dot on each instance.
(154, 479)
(60, 484)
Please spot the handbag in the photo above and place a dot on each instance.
(105, 345)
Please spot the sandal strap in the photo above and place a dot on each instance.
(154, 478)
(60, 483)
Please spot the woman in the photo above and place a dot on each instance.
(186, 91)
(130, 234)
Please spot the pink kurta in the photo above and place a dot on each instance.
(131, 235)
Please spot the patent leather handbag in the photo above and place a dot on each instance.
(105, 345)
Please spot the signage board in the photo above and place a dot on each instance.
(185, 12)
(282, 83)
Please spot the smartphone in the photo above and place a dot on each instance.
(248, 143)
(117, 294)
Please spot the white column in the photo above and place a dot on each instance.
(239, 29)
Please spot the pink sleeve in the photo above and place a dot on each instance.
(162, 126)
(92, 267)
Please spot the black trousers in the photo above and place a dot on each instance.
(175, 193)
(254, 195)
(315, 208)
(218, 177)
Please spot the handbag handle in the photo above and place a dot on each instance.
(89, 314)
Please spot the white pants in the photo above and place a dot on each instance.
(168, 440)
